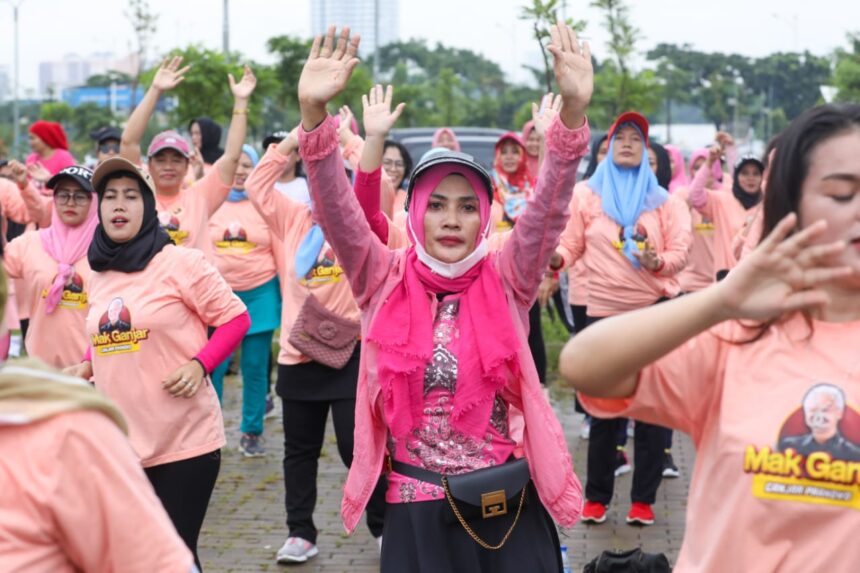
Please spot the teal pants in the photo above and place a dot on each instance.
(254, 363)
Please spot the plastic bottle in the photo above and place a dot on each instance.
(565, 562)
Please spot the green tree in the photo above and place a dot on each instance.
(290, 54)
(144, 23)
(846, 75)
(107, 79)
(543, 14)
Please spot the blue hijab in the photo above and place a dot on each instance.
(236, 195)
(626, 193)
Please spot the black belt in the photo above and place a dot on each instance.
(415, 472)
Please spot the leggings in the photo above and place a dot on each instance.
(536, 344)
(254, 362)
(184, 488)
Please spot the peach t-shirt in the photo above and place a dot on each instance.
(74, 498)
(242, 245)
(58, 338)
(143, 326)
(729, 218)
(614, 284)
(699, 272)
(185, 216)
(767, 494)
(290, 222)
(577, 292)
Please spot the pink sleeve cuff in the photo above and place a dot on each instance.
(223, 342)
(319, 143)
(568, 143)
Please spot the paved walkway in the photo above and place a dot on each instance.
(245, 524)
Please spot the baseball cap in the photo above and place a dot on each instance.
(106, 133)
(115, 164)
(443, 157)
(81, 174)
(636, 119)
(169, 140)
(275, 137)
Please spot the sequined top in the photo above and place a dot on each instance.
(434, 445)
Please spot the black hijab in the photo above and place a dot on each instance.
(748, 200)
(592, 162)
(210, 138)
(134, 255)
(664, 165)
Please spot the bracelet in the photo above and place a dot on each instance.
(551, 275)
(240, 111)
(559, 267)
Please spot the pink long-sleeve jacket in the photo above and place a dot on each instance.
(374, 271)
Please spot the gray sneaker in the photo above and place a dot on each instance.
(296, 550)
(252, 446)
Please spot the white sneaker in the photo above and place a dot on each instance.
(585, 429)
(379, 541)
(296, 550)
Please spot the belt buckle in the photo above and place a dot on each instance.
(386, 465)
(494, 504)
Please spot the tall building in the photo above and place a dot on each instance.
(366, 17)
(73, 70)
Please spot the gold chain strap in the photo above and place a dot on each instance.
(469, 530)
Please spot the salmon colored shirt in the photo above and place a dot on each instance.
(699, 272)
(186, 215)
(242, 244)
(56, 338)
(765, 494)
(157, 325)
(728, 215)
(614, 284)
(577, 292)
(74, 498)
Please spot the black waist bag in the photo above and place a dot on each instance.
(632, 561)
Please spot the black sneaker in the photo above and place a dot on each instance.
(622, 464)
(251, 446)
(271, 411)
(670, 470)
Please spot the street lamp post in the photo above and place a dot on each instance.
(16, 121)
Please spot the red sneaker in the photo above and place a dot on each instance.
(593, 512)
(640, 514)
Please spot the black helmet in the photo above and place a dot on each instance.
(449, 157)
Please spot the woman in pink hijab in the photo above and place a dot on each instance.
(447, 386)
(52, 265)
(679, 170)
(444, 137)
(531, 139)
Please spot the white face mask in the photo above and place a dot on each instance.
(451, 270)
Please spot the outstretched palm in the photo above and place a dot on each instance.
(378, 117)
(574, 73)
(246, 85)
(328, 67)
(169, 74)
(544, 115)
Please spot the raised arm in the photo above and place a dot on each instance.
(242, 91)
(699, 197)
(780, 276)
(542, 117)
(168, 76)
(278, 210)
(361, 254)
(25, 204)
(526, 255)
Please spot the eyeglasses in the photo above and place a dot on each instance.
(109, 148)
(78, 198)
(393, 163)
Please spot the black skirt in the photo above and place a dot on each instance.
(315, 382)
(423, 537)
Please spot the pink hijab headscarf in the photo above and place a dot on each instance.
(403, 327)
(716, 168)
(679, 177)
(438, 135)
(66, 245)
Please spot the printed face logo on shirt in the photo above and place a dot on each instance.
(817, 453)
(235, 241)
(169, 221)
(325, 270)
(73, 297)
(116, 334)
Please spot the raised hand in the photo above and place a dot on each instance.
(169, 74)
(18, 171)
(714, 154)
(344, 130)
(38, 172)
(783, 273)
(542, 116)
(326, 72)
(378, 117)
(574, 73)
(242, 91)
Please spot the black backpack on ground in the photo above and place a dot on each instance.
(632, 561)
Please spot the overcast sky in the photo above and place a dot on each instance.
(51, 28)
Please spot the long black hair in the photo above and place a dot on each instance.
(664, 164)
(592, 160)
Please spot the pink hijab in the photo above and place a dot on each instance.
(438, 135)
(66, 245)
(403, 327)
(716, 168)
(680, 177)
(531, 160)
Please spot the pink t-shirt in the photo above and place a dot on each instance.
(577, 292)
(242, 245)
(699, 272)
(142, 327)
(434, 445)
(729, 218)
(186, 215)
(58, 338)
(614, 284)
(776, 424)
(74, 498)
